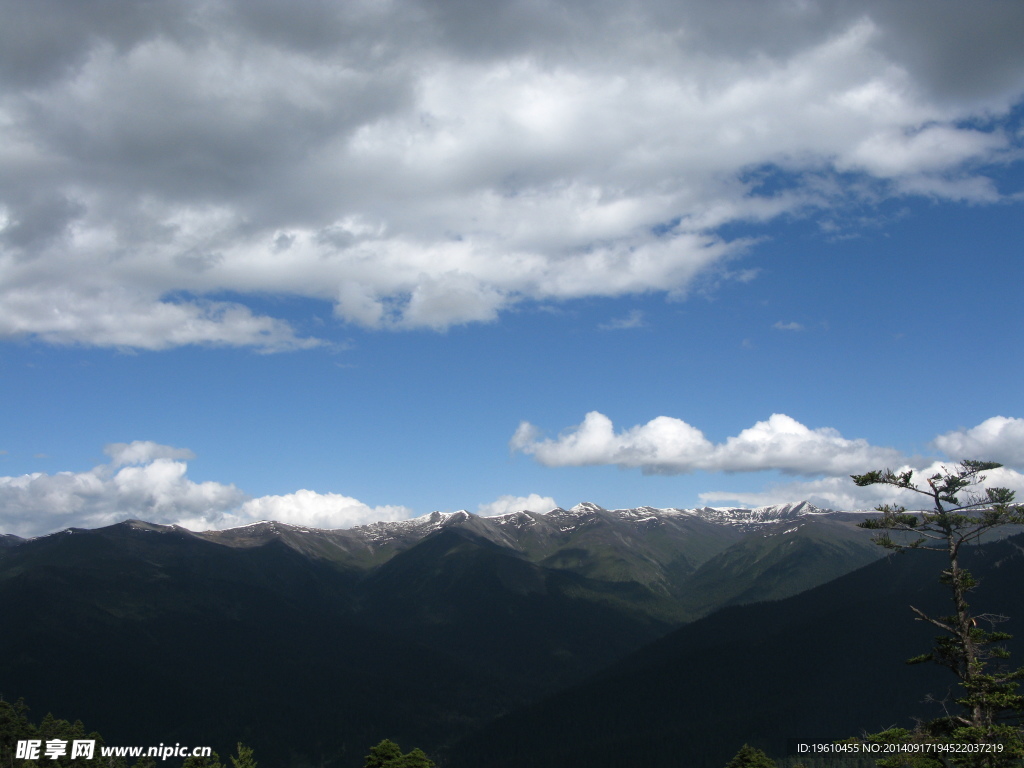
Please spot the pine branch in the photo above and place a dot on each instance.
(922, 616)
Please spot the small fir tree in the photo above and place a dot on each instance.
(417, 758)
(14, 725)
(195, 761)
(750, 757)
(387, 754)
(244, 758)
(959, 515)
(381, 754)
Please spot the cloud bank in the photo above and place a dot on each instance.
(317, 510)
(997, 439)
(507, 504)
(841, 493)
(148, 481)
(422, 165)
(667, 445)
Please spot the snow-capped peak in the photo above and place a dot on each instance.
(586, 508)
(761, 515)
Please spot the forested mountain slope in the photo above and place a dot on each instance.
(825, 664)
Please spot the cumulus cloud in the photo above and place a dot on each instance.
(317, 510)
(432, 164)
(148, 481)
(157, 490)
(841, 493)
(996, 439)
(667, 445)
(116, 316)
(143, 452)
(504, 505)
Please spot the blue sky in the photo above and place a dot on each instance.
(364, 261)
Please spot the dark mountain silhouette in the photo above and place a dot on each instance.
(536, 628)
(826, 664)
(313, 645)
(161, 637)
(153, 634)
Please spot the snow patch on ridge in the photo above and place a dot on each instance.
(760, 515)
(567, 519)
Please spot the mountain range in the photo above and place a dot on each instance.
(665, 551)
(823, 665)
(312, 645)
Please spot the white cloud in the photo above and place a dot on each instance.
(635, 319)
(421, 168)
(158, 491)
(116, 317)
(507, 504)
(911, 154)
(793, 326)
(841, 493)
(148, 481)
(667, 445)
(317, 510)
(996, 439)
(143, 452)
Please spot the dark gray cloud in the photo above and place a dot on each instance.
(36, 223)
(968, 53)
(50, 38)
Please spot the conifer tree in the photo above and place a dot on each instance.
(417, 758)
(382, 753)
(750, 757)
(387, 754)
(959, 515)
(245, 758)
(14, 725)
(213, 761)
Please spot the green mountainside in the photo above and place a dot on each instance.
(778, 562)
(823, 665)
